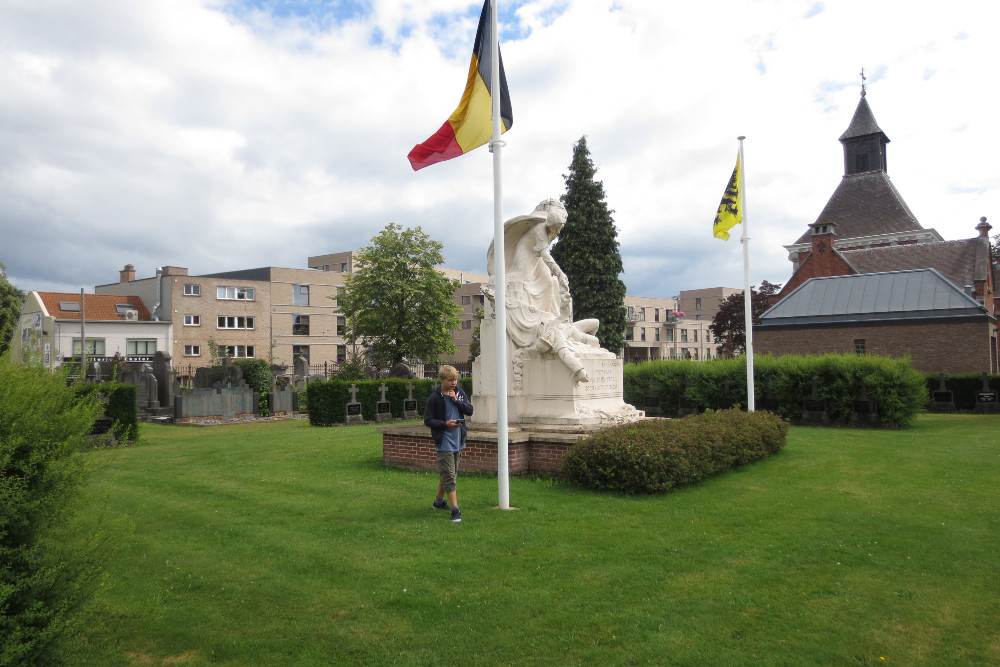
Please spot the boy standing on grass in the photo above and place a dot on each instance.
(445, 415)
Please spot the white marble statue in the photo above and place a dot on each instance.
(539, 305)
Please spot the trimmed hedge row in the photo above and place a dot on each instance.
(654, 456)
(900, 391)
(328, 399)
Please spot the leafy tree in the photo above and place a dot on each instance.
(729, 324)
(44, 578)
(396, 303)
(587, 251)
(11, 300)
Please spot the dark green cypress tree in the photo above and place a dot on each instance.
(587, 251)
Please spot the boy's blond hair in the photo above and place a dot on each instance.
(448, 373)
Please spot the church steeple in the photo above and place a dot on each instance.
(864, 141)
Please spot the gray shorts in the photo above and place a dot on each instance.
(448, 469)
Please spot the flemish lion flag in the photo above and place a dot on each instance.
(729, 214)
(470, 125)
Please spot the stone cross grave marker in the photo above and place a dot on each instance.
(410, 405)
(354, 408)
(382, 408)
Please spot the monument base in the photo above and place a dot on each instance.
(543, 392)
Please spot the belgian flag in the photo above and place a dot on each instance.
(470, 126)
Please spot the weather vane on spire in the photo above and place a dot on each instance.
(862, 82)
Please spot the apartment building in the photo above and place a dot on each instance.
(267, 313)
(659, 329)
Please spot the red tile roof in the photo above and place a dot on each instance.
(98, 306)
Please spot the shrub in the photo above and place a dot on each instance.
(655, 455)
(43, 424)
(120, 407)
(257, 374)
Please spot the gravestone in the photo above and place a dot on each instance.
(726, 401)
(814, 408)
(383, 412)
(986, 398)
(942, 400)
(685, 405)
(769, 402)
(651, 403)
(354, 408)
(409, 404)
(865, 412)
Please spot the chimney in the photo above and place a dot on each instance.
(128, 273)
(984, 227)
(823, 235)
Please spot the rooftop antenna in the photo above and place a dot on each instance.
(863, 82)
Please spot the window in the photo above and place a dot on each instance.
(656, 314)
(684, 335)
(94, 346)
(300, 351)
(466, 300)
(480, 299)
(643, 314)
(300, 325)
(238, 293)
(859, 346)
(300, 295)
(629, 333)
(670, 335)
(642, 334)
(70, 306)
(341, 325)
(192, 290)
(343, 267)
(340, 295)
(861, 162)
(466, 324)
(341, 354)
(192, 320)
(656, 334)
(695, 335)
(140, 347)
(120, 308)
(192, 350)
(697, 303)
(236, 351)
(240, 322)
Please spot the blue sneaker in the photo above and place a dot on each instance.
(456, 515)
(440, 504)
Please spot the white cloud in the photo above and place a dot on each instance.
(217, 136)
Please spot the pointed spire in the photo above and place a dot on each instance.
(862, 82)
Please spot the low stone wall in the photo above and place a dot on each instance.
(531, 450)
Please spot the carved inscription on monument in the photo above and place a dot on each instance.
(605, 378)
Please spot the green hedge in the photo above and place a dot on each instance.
(121, 407)
(653, 456)
(963, 387)
(899, 390)
(328, 399)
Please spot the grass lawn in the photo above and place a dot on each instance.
(285, 544)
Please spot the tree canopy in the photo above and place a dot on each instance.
(729, 324)
(396, 303)
(587, 251)
(11, 300)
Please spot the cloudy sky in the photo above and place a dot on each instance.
(228, 134)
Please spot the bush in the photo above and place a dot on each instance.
(120, 407)
(328, 399)
(43, 425)
(257, 374)
(655, 455)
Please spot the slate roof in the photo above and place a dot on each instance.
(961, 262)
(894, 295)
(866, 204)
(863, 123)
(98, 306)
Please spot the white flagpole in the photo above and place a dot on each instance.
(747, 302)
(500, 269)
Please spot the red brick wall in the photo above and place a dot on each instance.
(416, 452)
(945, 347)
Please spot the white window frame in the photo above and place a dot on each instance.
(192, 350)
(192, 289)
(224, 293)
(132, 347)
(192, 320)
(235, 322)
